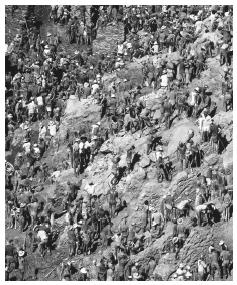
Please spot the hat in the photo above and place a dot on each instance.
(135, 275)
(49, 34)
(197, 89)
(180, 221)
(188, 274)
(83, 270)
(175, 239)
(125, 80)
(163, 27)
(75, 226)
(35, 145)
(210, 248)
(21, 253)
(98, 123)
(47, 46)
(155, 43)
(160, 148)
(203, 48)
(112, 95)
(179, 271)
(221, 242)
(22, 205)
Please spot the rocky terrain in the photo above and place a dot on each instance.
(141, 184)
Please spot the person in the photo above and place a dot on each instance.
(115, 166)
(21, 263)
(129, 158)
(181, 231)
(181, 150)
(227, 202)
(225, 258)
(124, 230)
(214, 262)
(214, 136)
(102, 271)
(167, 113)
(95, 129)
(113, 194)
(47, 75)
(201, 268)
(162, 161)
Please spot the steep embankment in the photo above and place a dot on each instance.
(141, 184)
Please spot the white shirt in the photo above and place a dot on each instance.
(94, 129)
(46, 51)
(164, 80)
(26, 147)
(160, 154)
(201, 207)
(155, 48)
(94, 88)
(55, 174)
(200, 123)
(90, 189)
(42, 235)
(206, 124)
(201, 266)
(40, 100)
(193, 98)
(31, 107)
(52, 130)
(42, 132)
(84, 145)
(120, 48)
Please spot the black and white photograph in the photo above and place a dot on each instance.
(118, 142)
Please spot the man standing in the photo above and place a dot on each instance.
(226, 260)
(129, 158)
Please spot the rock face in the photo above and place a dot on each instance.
(79, 116)
(141, 184)
(12, 21)
(180, 133)
(145, 162)
(107, 38)
(200, 239)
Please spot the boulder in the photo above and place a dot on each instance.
(145, 161)
(123, 162)
(180, 133)
(212, 159)
(164, 270)
(183, 175)
(152, 156)
(223, 118)
(107, 147)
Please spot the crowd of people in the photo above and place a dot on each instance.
(38, 82)
(207, 266)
